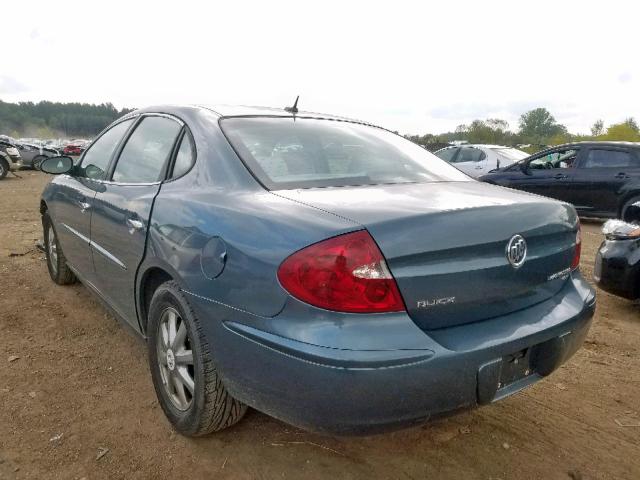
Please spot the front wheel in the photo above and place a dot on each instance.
(59, 271)
(185, 378)
(630, 212)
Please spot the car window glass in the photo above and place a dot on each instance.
(147, 150)
(470, 155)
(96, 159)
(447, 154)
(601, 158)
(184, 158)
(564, 158)
(309, 153)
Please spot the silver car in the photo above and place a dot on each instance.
(476, 160)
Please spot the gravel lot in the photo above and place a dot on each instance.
(78, 402)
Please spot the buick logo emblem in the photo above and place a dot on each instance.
(516, 251)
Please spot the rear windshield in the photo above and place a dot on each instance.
(286, 153)
(511, 153)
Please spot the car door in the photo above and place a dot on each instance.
(72, 204)
(601, 176)
(123, 208)
(550, 173)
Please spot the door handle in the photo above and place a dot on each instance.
(622, 175)
(134, 225)
(559, 176)
(84, 206)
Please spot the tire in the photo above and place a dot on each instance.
(627, 209)
(4, 168)
(59, 271)
(206, 407)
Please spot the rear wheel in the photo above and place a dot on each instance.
(59, 271)
(188, 386)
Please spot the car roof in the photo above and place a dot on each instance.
(247, 111)
(475, 145)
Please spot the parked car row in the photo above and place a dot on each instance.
(30, 152)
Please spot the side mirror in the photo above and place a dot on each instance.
(57, 165)
(524, 166)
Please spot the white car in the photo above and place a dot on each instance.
(476, 160)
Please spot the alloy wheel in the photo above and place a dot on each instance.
(175, 359)
(53, 249)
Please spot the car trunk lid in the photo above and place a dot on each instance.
(445, 243)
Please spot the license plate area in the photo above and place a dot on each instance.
(515, 367)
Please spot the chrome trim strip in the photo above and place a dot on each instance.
(77, 233)
(105, 253)
(97, 247)
(124, 184)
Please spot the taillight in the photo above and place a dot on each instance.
(575, 263)
(346, 273)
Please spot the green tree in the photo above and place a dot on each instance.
(632, 124)
(624, 131)
(538, 126)
(597, 128)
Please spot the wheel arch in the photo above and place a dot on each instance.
(625, 199)
(150, 280)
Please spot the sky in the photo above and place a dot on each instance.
(415, 67)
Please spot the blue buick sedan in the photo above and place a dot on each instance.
(322, 270)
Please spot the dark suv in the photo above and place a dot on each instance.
(601, 179)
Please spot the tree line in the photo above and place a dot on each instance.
(53, 119)
(536, 128)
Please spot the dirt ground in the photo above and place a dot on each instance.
(78, 401)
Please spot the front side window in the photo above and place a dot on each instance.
(600, 158)
(564, 158)
(96, 160)
(145, 154)
(285, 153)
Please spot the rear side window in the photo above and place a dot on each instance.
(470, 155)
(447, 154)
(600, 158)
(286, 152)
(184, 157)
(145, 154)
(96, 159)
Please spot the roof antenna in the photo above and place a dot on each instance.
(293, 109)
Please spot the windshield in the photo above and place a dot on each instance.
(286, 153)
(512, 154)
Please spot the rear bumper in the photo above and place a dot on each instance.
(344, 391)
(617, 268)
